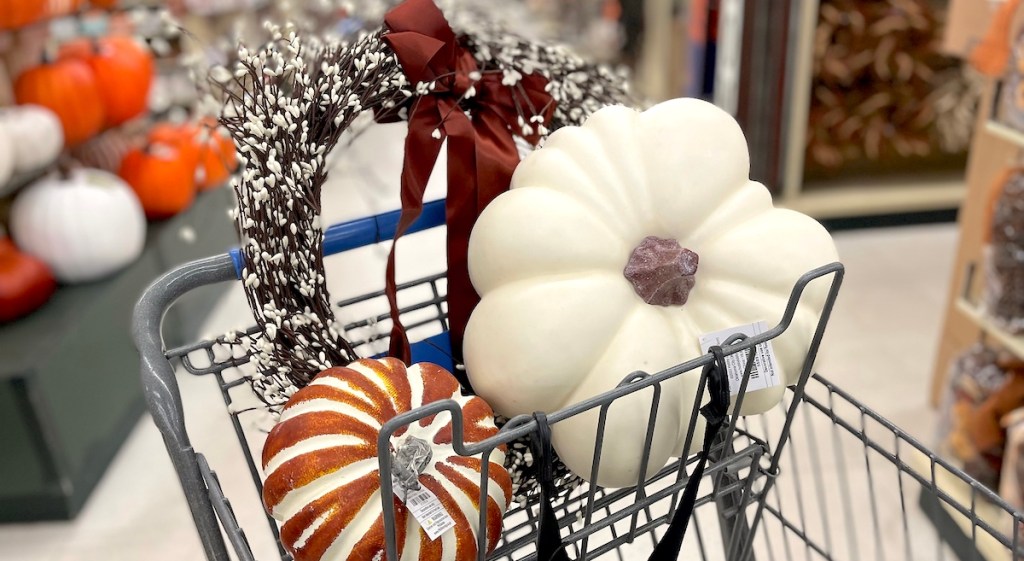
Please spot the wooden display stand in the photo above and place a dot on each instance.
(851, 196)
(993, 148)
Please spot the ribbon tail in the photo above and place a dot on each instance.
(461, 211)
(482, 156)
(421, 151)
(496, 157)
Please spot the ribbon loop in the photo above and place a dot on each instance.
(482, 154)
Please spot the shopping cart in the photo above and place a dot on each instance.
(820, 477)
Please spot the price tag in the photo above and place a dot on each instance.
(764, 373)
(426, 508)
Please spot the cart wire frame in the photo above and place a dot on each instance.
(746, 460)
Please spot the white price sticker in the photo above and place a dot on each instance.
(764, 373)
(426, 508)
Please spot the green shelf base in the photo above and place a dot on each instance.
(69, 375)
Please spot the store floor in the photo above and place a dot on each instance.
(880, 347)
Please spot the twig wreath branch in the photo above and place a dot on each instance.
(288, 104)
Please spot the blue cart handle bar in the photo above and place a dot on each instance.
(364, 231)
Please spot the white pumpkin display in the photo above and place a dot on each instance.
(84, 227)
(37, 136)
(628, 209)
(6, 159)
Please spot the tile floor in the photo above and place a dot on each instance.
(880, 346)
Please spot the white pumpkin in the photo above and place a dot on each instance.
(560, 322)
(37, 136)
(84, 227)
(6, 159)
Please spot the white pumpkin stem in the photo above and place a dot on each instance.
(662, 271)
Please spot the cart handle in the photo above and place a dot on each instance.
(364, 231)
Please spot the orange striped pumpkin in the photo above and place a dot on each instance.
(322, 478)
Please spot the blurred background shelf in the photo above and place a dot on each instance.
(856, 198)
(73, 360)
(1009, 341)
(1005, 132)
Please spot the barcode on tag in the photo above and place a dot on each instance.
(415, 500)
(765, 371)
(427, 509)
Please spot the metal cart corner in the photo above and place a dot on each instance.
(822, 476)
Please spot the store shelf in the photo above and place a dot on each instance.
(878, 198)
(1009, 341)
(1005, 132)
(70, 393)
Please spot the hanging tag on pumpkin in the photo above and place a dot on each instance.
(426, 508)
(765, 371)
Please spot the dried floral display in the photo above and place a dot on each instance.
(288, 102)
(1011, 94)
(985, 386)
(990, 55)
(882, 90)
(295, 102)
(1004, 254)
(213, 39)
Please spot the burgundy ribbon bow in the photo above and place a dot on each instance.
(482, 152)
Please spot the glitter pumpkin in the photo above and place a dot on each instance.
(322, 478)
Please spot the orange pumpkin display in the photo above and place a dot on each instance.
(212, 149)
(217, 157)
(124, 72)
(323, 482)
(105, 4)
(162, 177)
(180, 135)
(16, 13)
(25, 282)
(55, 8)
(69, 89)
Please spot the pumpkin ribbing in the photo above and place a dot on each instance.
(69, 89)
(124, 73)
(321, 464)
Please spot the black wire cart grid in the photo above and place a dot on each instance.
(819, 477)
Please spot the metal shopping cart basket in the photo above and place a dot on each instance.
(820, 477)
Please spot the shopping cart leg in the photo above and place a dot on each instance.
(160, 388)
(183, 457)
(732, 518)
